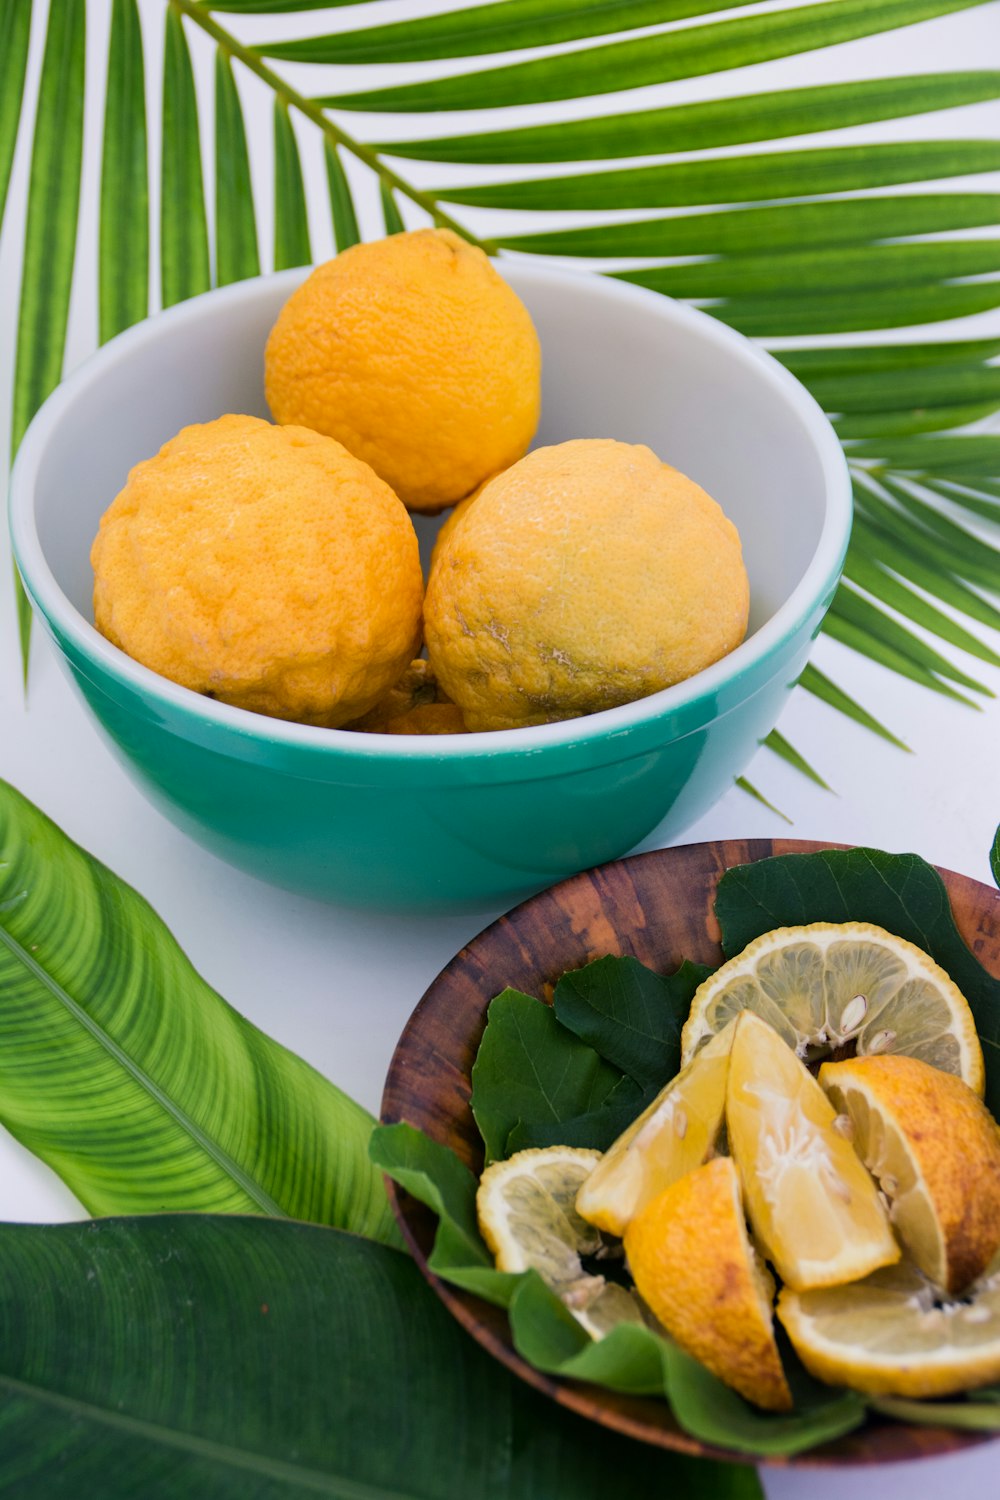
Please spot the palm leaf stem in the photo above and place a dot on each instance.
(312, 111)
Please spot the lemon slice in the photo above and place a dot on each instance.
(826, 986)
(814, 1208)
(674, 1135)
(935, 1149)
(696, 1268)
(895, 1335)
(527, 1218)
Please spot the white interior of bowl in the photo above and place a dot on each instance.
(618, 362)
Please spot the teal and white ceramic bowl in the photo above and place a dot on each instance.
(424, 823)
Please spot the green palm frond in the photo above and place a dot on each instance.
(818, 245)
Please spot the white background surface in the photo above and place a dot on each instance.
(337, 986)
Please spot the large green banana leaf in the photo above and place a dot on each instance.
(191, 1355)
(810, 244)
(133, 1079)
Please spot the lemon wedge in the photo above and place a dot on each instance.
(674, 1135)
(828, 986)
(935, 1149)
(527, 1218)
(695, 1267)
(894, 1334)
(812, 1204)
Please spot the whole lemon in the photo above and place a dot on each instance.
(264, 566)
(587, 575)
(416, 355)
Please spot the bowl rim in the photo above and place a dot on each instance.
(815, 585)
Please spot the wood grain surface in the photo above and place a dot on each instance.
(657, 907)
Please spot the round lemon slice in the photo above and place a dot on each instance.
(850, 985)
(812, 1204)
(527, 1217)
(894, 1334)
(674, 1135)
(935, 1149)
(696, 1268)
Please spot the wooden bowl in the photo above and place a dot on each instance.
(657, 907)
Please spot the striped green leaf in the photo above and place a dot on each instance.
(976, 501)
(50, 233)
(133, 1079)
(758, 796)
(217, 1358)
(904, 423)
(715, 122)
(508, 26)
(773, 317)
(950, 456)
(236, 255)
(868, 571)
(776, 741)
(345, 221)
(123, 263)
(972, 550)
(901, 556)
(279, 7)
(15, 32)
(184, 270)
(867, 359)
(820, 686)
(739, 179)
(688, 53)
(934, 550)
(791, 227)
(867, 269)
(855, 610)
(901, 389)
(391, 216)
(292, 246)
(878, 650)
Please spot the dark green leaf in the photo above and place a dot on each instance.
(995, 857)
(124, 234)
(850, 633)
(597, 1128)
(796, 316)
(899, 892)
(905, 423)
(230, 1358)
(629, 1014)
(15, 32)
(101, 1016)
(391, 216)
(853, 607)
(934, 551)
(934, 578)
(291, 218)
(714, 122)
(345, 223)
(788, 227)
(687, 53)
(882, 391)
(976, 1416)
(776, 741)
(954, 457)
(50, 233)
(816, 682)
(183, 227)
(236, 255)
(961, 543)
(512, 1080)
(843, 361)
(738, 179)
(505, 27)
(872, 575)
(758, 796)
(864, 268)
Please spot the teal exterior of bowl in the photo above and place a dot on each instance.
(427, 823)
(425, 835)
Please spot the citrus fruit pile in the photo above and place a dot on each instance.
(275, 567)
(868, 1189)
